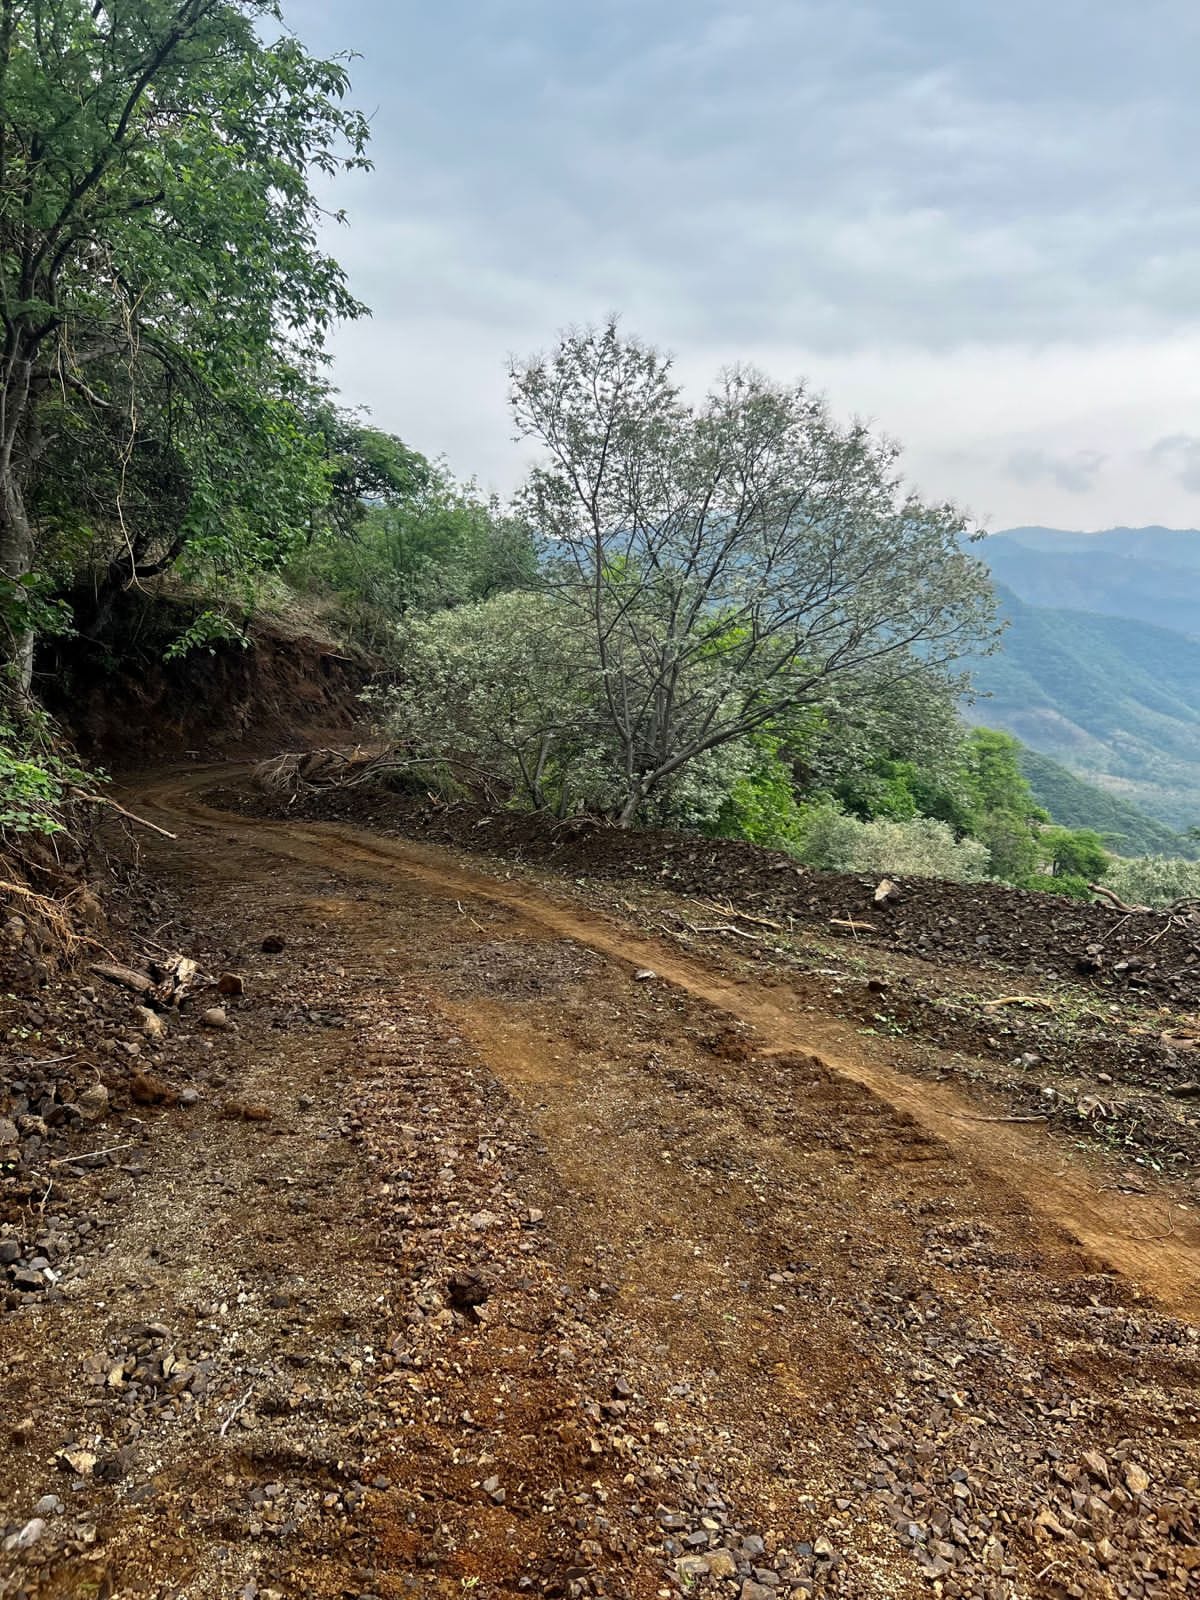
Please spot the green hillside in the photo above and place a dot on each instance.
(1074, 803)
(1115, 700)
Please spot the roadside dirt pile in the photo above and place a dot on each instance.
(1038, 934)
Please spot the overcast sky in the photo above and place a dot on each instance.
(974, 222)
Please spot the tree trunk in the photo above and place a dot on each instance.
(16, 562)
(17, 546)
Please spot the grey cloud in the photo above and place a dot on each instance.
(1180, 454)
(834, 173)
(1076, 473)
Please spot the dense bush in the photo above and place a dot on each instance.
(917, 847)
(1154, 880)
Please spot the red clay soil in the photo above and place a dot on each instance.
(488, 1245)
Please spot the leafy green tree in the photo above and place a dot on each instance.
(158, 248)
(498, 693)
(995, 778)
(729, 563)
(762, 805)
(1074, 853)
(429, 544)
(1011, 845)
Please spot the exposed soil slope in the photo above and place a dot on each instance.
(543, 1274)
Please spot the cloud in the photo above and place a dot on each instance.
(977, 223)
(1076, 473)
(1180, 454)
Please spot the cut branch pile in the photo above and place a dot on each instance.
(302, 772)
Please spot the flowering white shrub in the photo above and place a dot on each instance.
(917, 848)
(504, 693)
(1153, 880)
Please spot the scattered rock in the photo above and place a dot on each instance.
(93, 1102)
(229, 983)
(246, 1111)
(153, 1025)
(1137, 1480)
(28, 1536)
(644, 974)
(215, 1017)
(467, 1289)
(273, 945)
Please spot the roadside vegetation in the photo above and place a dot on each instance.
(728, 615)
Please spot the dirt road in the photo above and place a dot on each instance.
(484, 1262)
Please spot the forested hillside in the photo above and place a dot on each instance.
(1076, 803)
(1115, 700)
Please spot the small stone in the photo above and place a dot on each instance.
(93, 1102)
(27, 1280)
(644, 975)
(48, 1506)
(8, 1131)
(189, 1097)
(24, 1431)
(214, 1017)
(272, 945)
(153, 1025)
(1137, 1480)
(10, 1251)
(722, 1564)
(229, 983)
(755, 1591)
(28, 1536)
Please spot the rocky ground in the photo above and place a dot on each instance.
(512, 1234)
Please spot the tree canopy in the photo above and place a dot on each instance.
(164, 298)
(730, 561)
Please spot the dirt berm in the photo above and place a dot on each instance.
(1048, 936)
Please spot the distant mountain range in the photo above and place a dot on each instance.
(1146, 574)
(1100, 672)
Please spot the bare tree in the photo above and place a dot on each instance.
(729, 561)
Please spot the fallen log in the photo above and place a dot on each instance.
(125, 976)
(1113, 900)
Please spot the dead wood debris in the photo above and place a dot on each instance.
(298, 772)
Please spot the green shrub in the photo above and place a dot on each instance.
(35, 777)
(1154, 880)
(1057, 883)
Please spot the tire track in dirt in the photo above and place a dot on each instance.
(1137, 1235)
